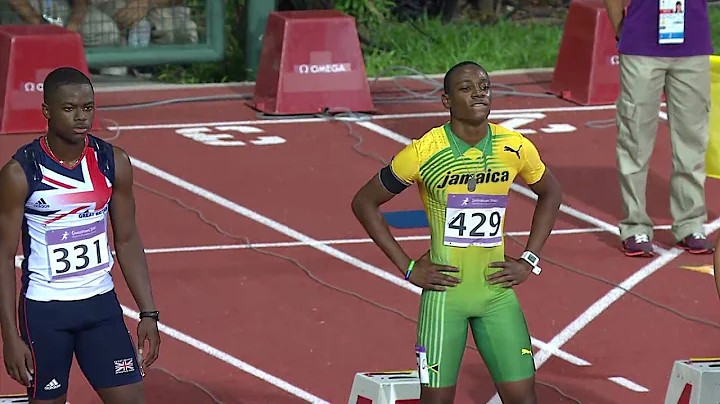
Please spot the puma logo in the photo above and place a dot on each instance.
(511, 150)
(524, 351)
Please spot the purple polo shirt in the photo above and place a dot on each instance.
(639, 35)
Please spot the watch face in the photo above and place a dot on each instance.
(531, 257)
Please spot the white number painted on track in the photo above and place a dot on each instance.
(519, 121)
(209, 136)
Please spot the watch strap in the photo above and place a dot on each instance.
(151, 314)
(533, 260)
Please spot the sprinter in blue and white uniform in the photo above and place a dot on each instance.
(60, 192)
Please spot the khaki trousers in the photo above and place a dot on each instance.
(687, 87)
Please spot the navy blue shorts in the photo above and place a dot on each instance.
(93, 329)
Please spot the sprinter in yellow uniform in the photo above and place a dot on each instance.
(464, 170)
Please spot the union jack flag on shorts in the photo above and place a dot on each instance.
(124, 366)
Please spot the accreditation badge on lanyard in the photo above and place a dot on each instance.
(671, 22)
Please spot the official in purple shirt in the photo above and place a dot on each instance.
(674, 59)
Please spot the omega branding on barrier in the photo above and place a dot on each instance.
(323, 68)
(30, 87)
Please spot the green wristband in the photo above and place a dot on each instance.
(410, 268)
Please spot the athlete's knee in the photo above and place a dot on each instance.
(127, 394)
(518, 392)
(443, 395)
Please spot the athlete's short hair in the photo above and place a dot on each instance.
(60, 77)
(448, 75)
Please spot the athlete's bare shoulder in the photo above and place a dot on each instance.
(120, 154)
(123, 170)
(13, 186)
(13, 179)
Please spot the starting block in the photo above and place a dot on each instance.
(402, 387)
(311, 62)
(587, 68)
(14, 399)
(27, 54)
(694, 381)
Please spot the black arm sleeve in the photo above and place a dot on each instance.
(390, 182)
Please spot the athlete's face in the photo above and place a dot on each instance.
(469, 98)
(70, 112)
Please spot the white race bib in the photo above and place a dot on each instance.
(472, 219)
(421, 356)
(78, 250)
(671, 24)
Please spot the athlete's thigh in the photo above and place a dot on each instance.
(44, 328)
(105, 350)
(502, 337)
(442, 333)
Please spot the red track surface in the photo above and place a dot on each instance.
(267, 313)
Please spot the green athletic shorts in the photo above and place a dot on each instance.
(498, 327)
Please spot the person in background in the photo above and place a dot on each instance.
(669, 53)
(76, 15)
(131, 23)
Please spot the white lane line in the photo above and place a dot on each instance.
(362, 118)
(281, 244)
(628, 384)
(281, 228)
(597, 308)
(231, 360)
(227, 358)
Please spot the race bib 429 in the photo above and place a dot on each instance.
(472, 219)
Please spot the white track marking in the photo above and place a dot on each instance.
(112, 87)
(500, 113)
(281, 244)
(628, 384)
(281, 228)
(496, 114)
(602, 304)
(231, 360)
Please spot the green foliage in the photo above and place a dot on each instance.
(715, 27)
(366, 12)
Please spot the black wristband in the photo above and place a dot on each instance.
(155, 315)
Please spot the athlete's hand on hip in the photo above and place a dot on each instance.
(18, 360)
(514, 272)
(148, 331)
(430, 276)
